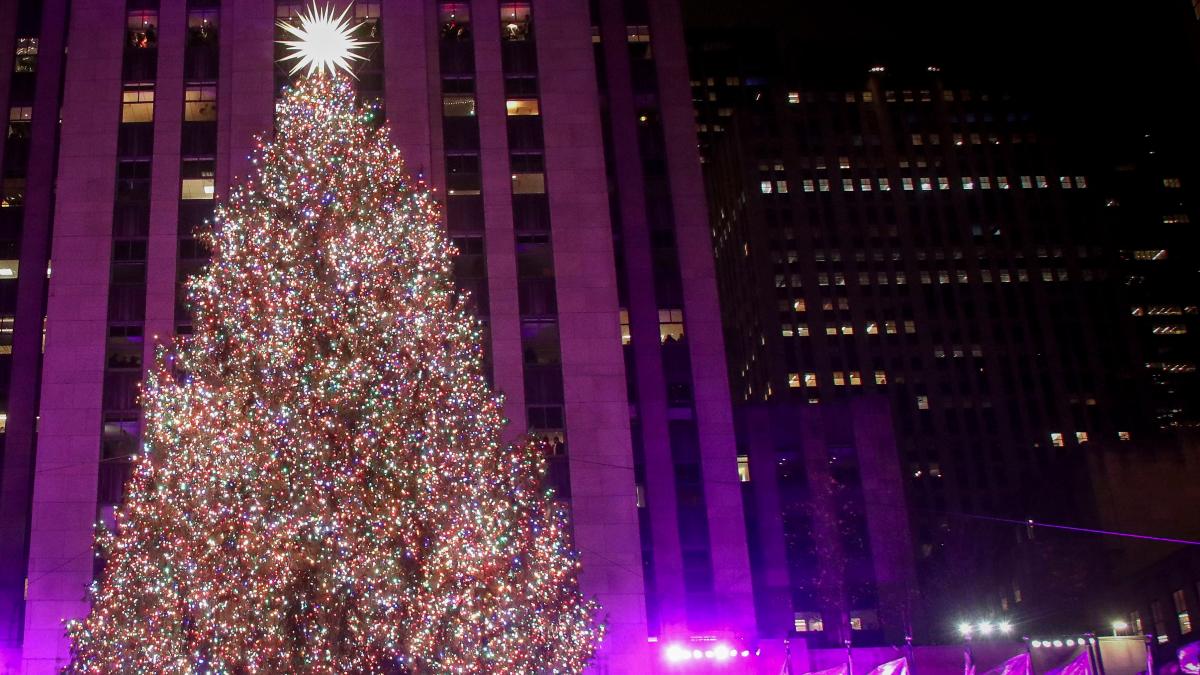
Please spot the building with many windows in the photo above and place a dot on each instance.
(560, 135)
(902, 234)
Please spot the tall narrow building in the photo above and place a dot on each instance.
(560, 136)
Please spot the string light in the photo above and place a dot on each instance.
(323, 487)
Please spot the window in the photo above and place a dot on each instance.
(528, 183)
(1167, 182)
(637, 33)
(626, 336)
(27, 53)
(200, 103)
(670, 325)
(1181, 612)
(856, 623)
(137, 104)
(766, 186)
(806, 622)
(1175, 219)
(793, 97)
(197, 179)
(458, 105)
(781, 186)
(855, 378)
(839, 379)
(743, 464)
(922, 402)
(202, 24)
(1056, 439)
(520, 106)
(455, 20)
(142, 29)
(515, 21)
(1124, 436)
(20, 118)
(810, 379)
(794, 380)
(1081, 437)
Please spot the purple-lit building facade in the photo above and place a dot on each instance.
(560, 135)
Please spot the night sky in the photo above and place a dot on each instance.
(1103, 64)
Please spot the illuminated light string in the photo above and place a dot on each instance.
(323, 488)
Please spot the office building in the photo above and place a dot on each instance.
(560, 136)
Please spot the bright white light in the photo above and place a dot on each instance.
(1005, 627)
(1119, 625)
(675, 654)
(1057, 643)
(324, 42)
(745, 653)
(1070, 643)
(723, 652)
(708, 654)
(985, 628)
(964, 629)
(1036, 644)
(697, 654)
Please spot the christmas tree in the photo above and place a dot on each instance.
(323, 488)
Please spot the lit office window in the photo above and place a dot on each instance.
(670, 324)
(137, 103)
(522, 106)
(200, 103)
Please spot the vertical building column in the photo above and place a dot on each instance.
(714, 418)
(669, 596)
(504, 306)
(886, 515)
(163, 242)
(410, 55)
(65, 480)
(18, 457)
(600, 457)
(245, 93)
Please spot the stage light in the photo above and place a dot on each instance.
(964, 629)
(675, 654)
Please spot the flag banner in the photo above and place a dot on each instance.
(1080, 665)
(897, 667)
(839, 669)
(1189, 658)
(1017, 665)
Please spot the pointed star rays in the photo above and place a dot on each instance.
(323, 41)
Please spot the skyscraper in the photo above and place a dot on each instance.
(896, 232)
(560, 135)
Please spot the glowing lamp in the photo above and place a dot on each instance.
(964, 629)
(675, 654)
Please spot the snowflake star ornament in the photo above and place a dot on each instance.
(324, 42)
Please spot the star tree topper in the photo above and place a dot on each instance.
(323, 41)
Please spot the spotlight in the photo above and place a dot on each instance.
(745, 653)
(1005, 627)
(985, 628)
(1070, 643)
(964, 629)
(1057, 643)
(1036, 644)
(675, 654)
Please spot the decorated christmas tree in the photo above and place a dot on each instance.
(323, 487)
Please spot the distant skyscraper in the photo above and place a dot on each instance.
(906, 235)
(561, 136)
